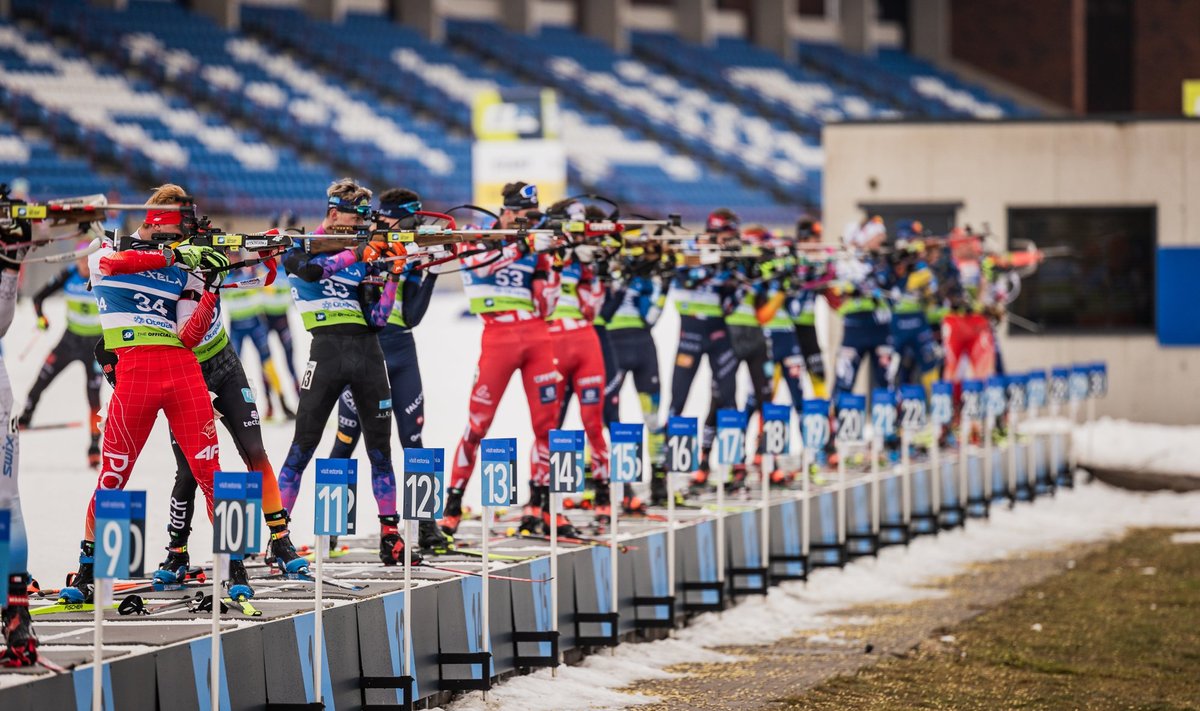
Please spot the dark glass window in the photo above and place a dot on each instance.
(1105, 282)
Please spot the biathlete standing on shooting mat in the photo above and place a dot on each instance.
(78, 343)
(152, 326)
(234, 400)
(277, 302)
(326, 276)
(21, 642)
(577, 348)
(246, 322)
(398, 210)
(702, 332)
(513, 293)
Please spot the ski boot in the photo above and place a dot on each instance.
(452, 516)
(22, 649)
(531, 515)
(658, 486)
(283, 553)
(238, 583)
(602, 503)
(560, 522)
(93, 454)
(24, 420)
(430, 538)
(391, 545)
(173, 570)
(737, 479)
(632, 504)
(81, 586)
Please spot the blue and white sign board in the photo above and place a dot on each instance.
(942, 406)
(883, 412)
(255, 525)
(566, 461)
(1060, 386)
(972, 399)
(229, 513)
(731, 437)
(1017, 384)
(424, 495)
(776, 428)
(814, 424)
(1036, 388)
(1078, 389)
(994, 398)
(912, 408)
(682, 444)
(112, 534)
(851, 417)
(1097, 380)
(137, 534)
(625, 445)
(496, 464)
(333, 498)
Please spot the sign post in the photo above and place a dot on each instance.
(424, 498)
(776, 431)
(1060, 393)
(329, 519)
(814, 426)
(1035, 396)
(681, 458)
(852, 419)
(1077, 391)
(496, 461)
(625, 467)
(1016, 406)
(566, 477)
(883, 425)
(112, 562)
(731, 451)
(912, 419)
(972, 413)
(941, 412)
(994, 406)
(229, 539)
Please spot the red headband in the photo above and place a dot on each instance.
(164, 217)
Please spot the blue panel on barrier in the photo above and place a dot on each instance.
(472, 592)
(305, 630)
(83, 688)
(393, 611)
(750, 546)
(542, 595)
(602, 573)
(1175, 277)
(706, 553)
(660, 585)
(201, 660)
(789, 521)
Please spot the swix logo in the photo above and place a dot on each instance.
(112, 476)
(10, 452)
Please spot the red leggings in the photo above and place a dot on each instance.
(969, 335)
(149, 379)
(505, 348)
(581, 363)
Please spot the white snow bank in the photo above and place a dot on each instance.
(1088, 513)
(1136, 446)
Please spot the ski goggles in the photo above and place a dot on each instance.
(720, 223)
(524, 199)
(360, 206)
(397, 211)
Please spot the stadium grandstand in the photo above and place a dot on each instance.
(265, 103)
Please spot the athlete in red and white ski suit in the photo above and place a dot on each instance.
(513, 295)
(577, 348)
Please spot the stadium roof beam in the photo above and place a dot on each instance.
(605, 20)
(771, 27)
(518, 16)
(696, 20)
(856, 19)
(325, 10)
(424, 16)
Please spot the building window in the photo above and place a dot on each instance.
(1105, 281)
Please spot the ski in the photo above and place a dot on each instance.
(194, 575)
(67, 607)
(310, 553)
(244, 605)
(502, 557)
(574, 540)
(306, 578)
(136, 605)
(57, 669)
(51, 426)
(479, 574)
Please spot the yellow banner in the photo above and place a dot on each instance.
(1191, 97)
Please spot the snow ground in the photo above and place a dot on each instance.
(1088, 513)
(1135, 446)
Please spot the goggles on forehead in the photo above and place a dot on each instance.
(361, 206)
(525, 198)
